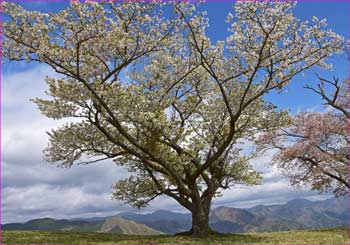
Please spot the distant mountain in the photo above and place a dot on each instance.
(49, 224)
(294, 215)
(93, 218)
(124, 226)
(297, 214)
(162, 220)
(233, 220)
(112, 225)
(320, 214)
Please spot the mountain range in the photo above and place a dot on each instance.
(294, 215)
(111, 225)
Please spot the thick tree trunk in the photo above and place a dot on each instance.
(200, 208)
(200, 213)
(200, 221)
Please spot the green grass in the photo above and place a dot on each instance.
(328, 236)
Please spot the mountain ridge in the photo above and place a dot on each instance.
(296, 214)
(117, 225)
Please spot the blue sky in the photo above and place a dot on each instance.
(297, 98)
(336, 12)
(32, 188)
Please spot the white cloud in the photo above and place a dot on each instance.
(46, 200)
(31, 187)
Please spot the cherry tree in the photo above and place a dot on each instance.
(147, 88)
(313, 151)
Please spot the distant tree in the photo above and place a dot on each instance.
(150, 90)
(314, 148)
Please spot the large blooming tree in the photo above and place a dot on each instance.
(150, 90)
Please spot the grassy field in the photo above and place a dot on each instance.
(329, 236)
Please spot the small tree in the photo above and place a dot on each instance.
(314, 148)
(151, 91)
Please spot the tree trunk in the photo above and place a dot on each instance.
(200, 221)
(200, 209)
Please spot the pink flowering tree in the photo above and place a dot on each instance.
(314, 149)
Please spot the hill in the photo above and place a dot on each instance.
(111, 225)
(162, 220)
(124, 226)
(232, 220)
(320, 214)
(49, 224)
(334, 236)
